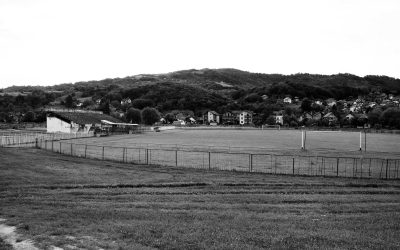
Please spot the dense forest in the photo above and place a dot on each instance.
(195, 90)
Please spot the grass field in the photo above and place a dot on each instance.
(72, 203)
(283, 141)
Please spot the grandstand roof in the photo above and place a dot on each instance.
(83, 118)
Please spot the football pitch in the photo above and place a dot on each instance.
(336, 143)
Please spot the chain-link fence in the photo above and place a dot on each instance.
(234, 161)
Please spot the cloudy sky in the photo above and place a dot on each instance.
(47, 42)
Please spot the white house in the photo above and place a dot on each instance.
(279, 119)
(212, 116)
(287, 100)
(126, 101)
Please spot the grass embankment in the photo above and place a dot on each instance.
(74, 202)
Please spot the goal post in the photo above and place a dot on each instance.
(333, 140)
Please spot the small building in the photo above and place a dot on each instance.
(212, 117)
(287, 100)
(126, 101)
(318, 102)
(349, 117)
(330, 118)
(331, 102)
(279, 119)
(83, 122)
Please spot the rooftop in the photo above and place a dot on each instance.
(83, 117)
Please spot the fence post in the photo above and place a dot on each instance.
(209, 160)
(123, 155)
(387, 165)
(52, 146)
(71, 148)
(147, 156)
(60, 146)
(293, 165)
(102, 154)
(176, 157)
(36, 142)
(251, 162)
(337, 166)
(85, 149)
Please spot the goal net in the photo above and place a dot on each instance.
(327, 141)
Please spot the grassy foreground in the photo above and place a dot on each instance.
(68, 202)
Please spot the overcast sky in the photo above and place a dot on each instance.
(47, 42)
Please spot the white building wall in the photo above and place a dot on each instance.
(210, 117)
(56, 125)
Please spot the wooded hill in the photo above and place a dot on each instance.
(200, 90)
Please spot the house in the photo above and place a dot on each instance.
(296, 99)
(349, 117)
(310, 116)
(212, 117)
(279, 119)
(97, 101)
(287, 100)
(278, 115)
(190, 120)
(362, 117)
(264, 97)
(318, 102)
(245, 118)
(126, 101)
(81, 121)
(330, 118)
(305, 117)
(230, 118)
(330, 102)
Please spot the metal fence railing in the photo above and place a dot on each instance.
(29, 139)
(308, 165)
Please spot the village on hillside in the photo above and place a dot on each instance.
(375, 110)
(359, 112)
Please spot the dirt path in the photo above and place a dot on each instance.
(8, 234)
